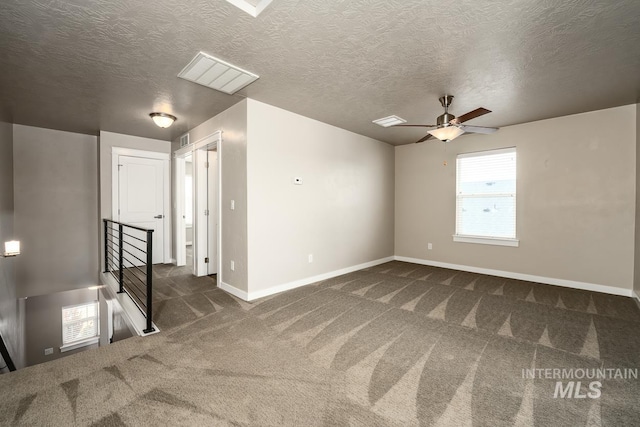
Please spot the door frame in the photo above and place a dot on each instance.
(213, 140)
(179, 201)
(166, 190)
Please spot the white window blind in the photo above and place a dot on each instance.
(486, 194)
(79, 322)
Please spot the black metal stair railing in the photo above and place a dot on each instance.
(128, 257)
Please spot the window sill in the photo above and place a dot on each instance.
(78, 344)
(487, 240)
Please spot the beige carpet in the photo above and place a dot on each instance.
(396, 345)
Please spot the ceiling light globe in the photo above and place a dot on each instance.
(163, 120)
(447, 133)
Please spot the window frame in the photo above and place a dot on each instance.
(486, 240)
(72, 345)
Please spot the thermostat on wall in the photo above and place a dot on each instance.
(297, 180)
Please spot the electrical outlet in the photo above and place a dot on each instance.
(310, 258)
(233, 205)
(429, 246)
(233, 266)
(48, 351)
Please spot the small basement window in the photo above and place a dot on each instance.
(80, 326)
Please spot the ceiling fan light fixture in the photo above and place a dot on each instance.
(163, 120)
(447, 133)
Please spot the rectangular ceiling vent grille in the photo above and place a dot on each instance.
(386, 122)
(217, 74)
(184, 140)
(252, 7)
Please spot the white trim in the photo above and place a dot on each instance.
(635, 295)
(183, 152)
(309, 280)
(614, 290)
(209, 141)
(84, 343)
(219, 210)
(497, 241)
(129, 308)
(179, 207)
(140, 153)
(484, 152)
(234, 291)
(115, 199)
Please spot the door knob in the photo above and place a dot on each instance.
(159, 216)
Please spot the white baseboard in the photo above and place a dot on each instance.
(520, 276)
(634, 294)
(233, 291)
(309, 280)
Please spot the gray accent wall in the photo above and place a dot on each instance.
(44, 323)
(10, 325)
(56, 210)
(576, 204)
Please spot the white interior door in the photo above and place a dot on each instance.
(206, 212)
(212, 223)
(141, 199)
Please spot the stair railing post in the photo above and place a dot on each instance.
(106, 256)
(149, 282)
(120, 256)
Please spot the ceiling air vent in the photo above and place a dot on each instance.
(184, 140)
(252, 7)
(386, 122)
(217, 74)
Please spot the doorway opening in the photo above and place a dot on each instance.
(197, 190)
(188, 209)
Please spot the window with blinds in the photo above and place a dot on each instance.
(79, 322)
(486, 197)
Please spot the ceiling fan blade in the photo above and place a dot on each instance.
(414, 126)
(424, 138)
(478, 129)
(471, 115)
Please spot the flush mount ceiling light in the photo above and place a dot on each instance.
(252, 7)
(447, 133)
(163, 120)
(386, 122)
(217, 74)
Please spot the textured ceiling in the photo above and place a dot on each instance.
(86, 65)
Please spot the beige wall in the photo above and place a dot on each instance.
(575, 206)
(342, 214)
(636, 270)
(56, 210)
(10, 327)
(233, 151)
